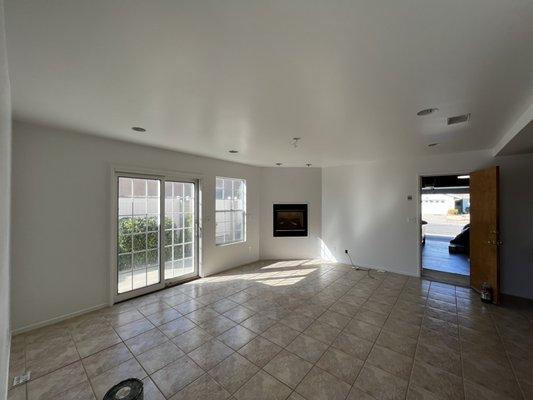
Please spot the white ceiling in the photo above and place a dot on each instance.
(206, 76)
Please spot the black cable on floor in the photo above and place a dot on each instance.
(360, 268)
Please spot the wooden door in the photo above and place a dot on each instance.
(484, 230)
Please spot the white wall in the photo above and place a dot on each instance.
(5, 197)
(291, 185)
(516, 224)
(365, 210)
(61, 182)
(61, 217)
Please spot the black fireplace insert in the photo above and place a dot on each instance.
(290, 220)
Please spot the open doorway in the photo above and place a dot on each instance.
(445, 227)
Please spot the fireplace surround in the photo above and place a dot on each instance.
(290, 220)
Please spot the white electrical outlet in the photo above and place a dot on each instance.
(20, 379)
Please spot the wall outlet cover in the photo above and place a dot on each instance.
(20, 379)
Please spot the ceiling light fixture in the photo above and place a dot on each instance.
(138, 129)
(463, 177)
(427, 111)
(233, 151)
(433, 144)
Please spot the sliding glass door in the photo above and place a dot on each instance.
(138, 233)
(180, 229)
(156, 233)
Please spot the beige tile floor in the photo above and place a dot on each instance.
(287, 330)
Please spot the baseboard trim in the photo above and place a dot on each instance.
(57, 319)
(384, 269)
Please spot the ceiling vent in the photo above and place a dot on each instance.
(458, 119)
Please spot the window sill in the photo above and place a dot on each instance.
(230, 243)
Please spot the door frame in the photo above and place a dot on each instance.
(419, 209)
(163, 176)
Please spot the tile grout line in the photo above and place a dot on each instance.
(508, 356)
(373, 342)
(409, 382)
(81, 362)
(342, 330)
(316, 290)
(376, 339)
(236, 351)
(315, 319)
(206, 372)
(325, 351)
(149, 376)
(460, 347)
(203, 306)
(136, 308)
(284, 348)
(168, 339)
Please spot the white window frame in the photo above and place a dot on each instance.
(232, 210)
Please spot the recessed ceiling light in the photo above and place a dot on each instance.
(426, 111)
(138, 129)
(433, 144)
(233, 151)
(463, 177)
(279, 164)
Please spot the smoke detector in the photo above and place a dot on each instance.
(295, 141)
(458, 119)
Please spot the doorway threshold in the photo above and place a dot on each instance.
(446, 277)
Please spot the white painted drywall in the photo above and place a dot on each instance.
(291, 185)
(516, 224)
(61, 206)
(365, 210)
(61, 217)
(5, 203)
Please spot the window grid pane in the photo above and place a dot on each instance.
(138, 233)
(230, 212)
(180, 229)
